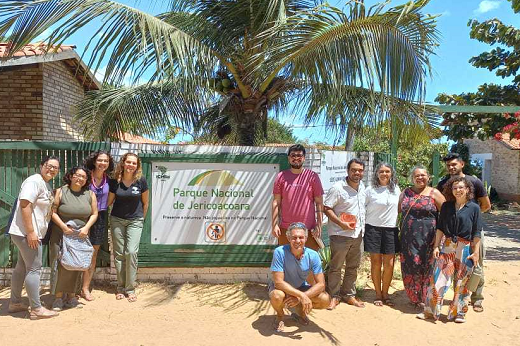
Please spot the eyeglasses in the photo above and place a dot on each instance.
(51, 167)
(79, 176)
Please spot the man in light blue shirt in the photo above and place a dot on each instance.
(291, 267)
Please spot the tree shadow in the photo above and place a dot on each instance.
(264, 325)
(161, 294)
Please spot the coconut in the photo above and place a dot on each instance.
(226, 83)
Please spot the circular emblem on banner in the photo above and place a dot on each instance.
(215, 231)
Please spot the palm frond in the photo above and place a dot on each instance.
(127, 35)
(383, 51)
(143, 109)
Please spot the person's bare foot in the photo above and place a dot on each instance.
(87, 295)
(120, 296)
(278, 324)
(132, 297)
(355, 302)
(333, 303)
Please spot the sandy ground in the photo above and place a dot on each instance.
(197, 314)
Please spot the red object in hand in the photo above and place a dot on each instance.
(348, 218)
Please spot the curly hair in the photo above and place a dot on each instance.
(393, 179)
(90, 161)
(120, 168)
(448, 192)
(68, 176)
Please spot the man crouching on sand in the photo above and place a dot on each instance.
(291, 266)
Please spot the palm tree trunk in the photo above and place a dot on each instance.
(351, 135)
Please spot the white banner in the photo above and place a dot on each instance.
(334, 167)
(212, 203)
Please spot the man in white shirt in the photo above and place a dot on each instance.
(345, 208)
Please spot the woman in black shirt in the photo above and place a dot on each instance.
(460, 225)
(129, 193)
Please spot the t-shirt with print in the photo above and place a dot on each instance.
(298, 192)
(128, 204)
(295, 271)
(342, 198)
(35, 190)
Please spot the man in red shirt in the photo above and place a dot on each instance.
(298, 196)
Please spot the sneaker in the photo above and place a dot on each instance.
(460, 319)
(17, 307)
(57, 305)
(42, 313)
(72, 303)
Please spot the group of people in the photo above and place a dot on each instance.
(79, 208)
(439, 238)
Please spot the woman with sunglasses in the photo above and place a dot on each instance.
(28, 227)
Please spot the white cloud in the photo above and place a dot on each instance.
(486, 6)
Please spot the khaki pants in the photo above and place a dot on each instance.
(126, 236)
(348, 251)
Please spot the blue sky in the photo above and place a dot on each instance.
(451, 71)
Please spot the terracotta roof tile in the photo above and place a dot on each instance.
(513, 144)
(34, 49)
(126, 137)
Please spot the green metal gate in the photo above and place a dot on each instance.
(18, 160)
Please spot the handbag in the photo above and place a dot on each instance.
(76, 252)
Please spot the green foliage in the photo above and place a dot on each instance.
(230, 65)
(505, 61)
(276, 133)
(480, 125)
(409, 152)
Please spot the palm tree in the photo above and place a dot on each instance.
(220, 66)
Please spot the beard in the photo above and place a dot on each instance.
(296, 165)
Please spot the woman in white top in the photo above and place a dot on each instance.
(29, 226)
(381, 238)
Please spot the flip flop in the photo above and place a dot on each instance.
(132, 297)
(388, 302)
(378, 302)
(301, 320)
(278, 325)
(120, 296)
(334, 302)
(477, 306)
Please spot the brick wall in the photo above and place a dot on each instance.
(37, 102)
(505, 166)
(21, 102)
(61, 92)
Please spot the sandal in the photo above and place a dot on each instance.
(477, 306)
(120, 296)
(333, 303)
(278, 325)
(378, 302)
(300, 319)
(132, 297)
(388, 302)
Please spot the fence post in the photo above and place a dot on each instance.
(436, 168)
